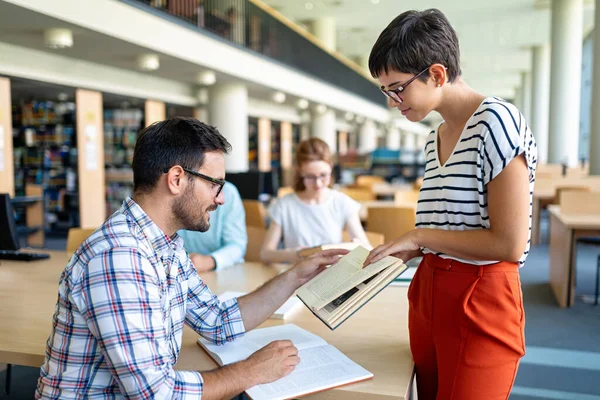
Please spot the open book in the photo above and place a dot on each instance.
(309, 251)
(283, 312)
(343, 288)
(321, 367)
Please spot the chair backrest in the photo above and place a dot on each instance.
(375, 238)
(392, 222)
(406, 197)
(369, 180)
(359, 194)
(562, 189)
(255, 213)
(418, 183)
(579, 202)
(284, 191)
(76, 236)
(256, 236)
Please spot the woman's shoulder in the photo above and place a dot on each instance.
(285, 202)
(497, 111)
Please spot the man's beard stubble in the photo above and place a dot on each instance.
(183, 210)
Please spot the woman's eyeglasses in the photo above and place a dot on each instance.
(394, 94)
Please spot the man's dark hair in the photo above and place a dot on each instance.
(174, 141)
(415, 40)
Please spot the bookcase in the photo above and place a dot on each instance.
(45, 160)
(121, 127)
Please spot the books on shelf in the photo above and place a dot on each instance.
(343, 288)
(321, 367)
(309, 251)
(283, 312)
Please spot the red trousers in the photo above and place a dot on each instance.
(466, 326)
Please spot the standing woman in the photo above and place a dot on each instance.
(314, 214)
(466, 318)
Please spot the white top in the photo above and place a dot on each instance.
(454, 196)
(308, 225)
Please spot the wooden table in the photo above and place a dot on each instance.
(564, 231)
(545, 190)
(388, 189)
(376, 337)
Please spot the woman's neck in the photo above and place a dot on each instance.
(314, 197)
(459, 104)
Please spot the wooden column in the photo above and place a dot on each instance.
(286, 145)
(7, 173)
(343, 143)
(154, 111)
(90, 158)
(264, 144)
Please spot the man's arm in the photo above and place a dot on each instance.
(259, 305)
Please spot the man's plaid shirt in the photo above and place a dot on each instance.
(118, 321)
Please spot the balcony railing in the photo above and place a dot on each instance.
(246, 24)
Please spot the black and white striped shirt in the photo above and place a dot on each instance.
(454, 196)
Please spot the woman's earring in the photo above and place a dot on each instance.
(438, 85)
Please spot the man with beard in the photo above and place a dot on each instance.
(128, 289)
(224, 244)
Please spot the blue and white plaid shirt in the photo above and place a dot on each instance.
(118, 321)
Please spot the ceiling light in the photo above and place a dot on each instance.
(62, 96)
(349, 116)
(375, 1)
(278, 97)
(360, 119)
(302, 104)
(321, 108)
(309, 6)
(207, 78)
(148, 62)
(58, 38)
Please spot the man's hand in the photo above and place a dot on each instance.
(203, 263)
(308, 268)
(272, 362)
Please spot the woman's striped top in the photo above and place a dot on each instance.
(454, 196)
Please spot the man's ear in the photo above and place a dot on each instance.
(175, 180)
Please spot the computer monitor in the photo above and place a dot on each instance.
(247, 183)
(252, 184)
(9, 239)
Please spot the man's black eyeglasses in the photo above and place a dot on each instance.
(394, 94)
(219, 182)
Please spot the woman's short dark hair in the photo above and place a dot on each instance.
(415, 40)
(174, 141)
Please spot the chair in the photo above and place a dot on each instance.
(256, 237)
(375, 238)
(255, 213)
(418, 183)
(368, 181)
(562, 189)
(76, 236)
(284, 191)
(406, 197)
(359, 194)
(391, 221)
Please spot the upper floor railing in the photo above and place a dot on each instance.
(254, 26)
